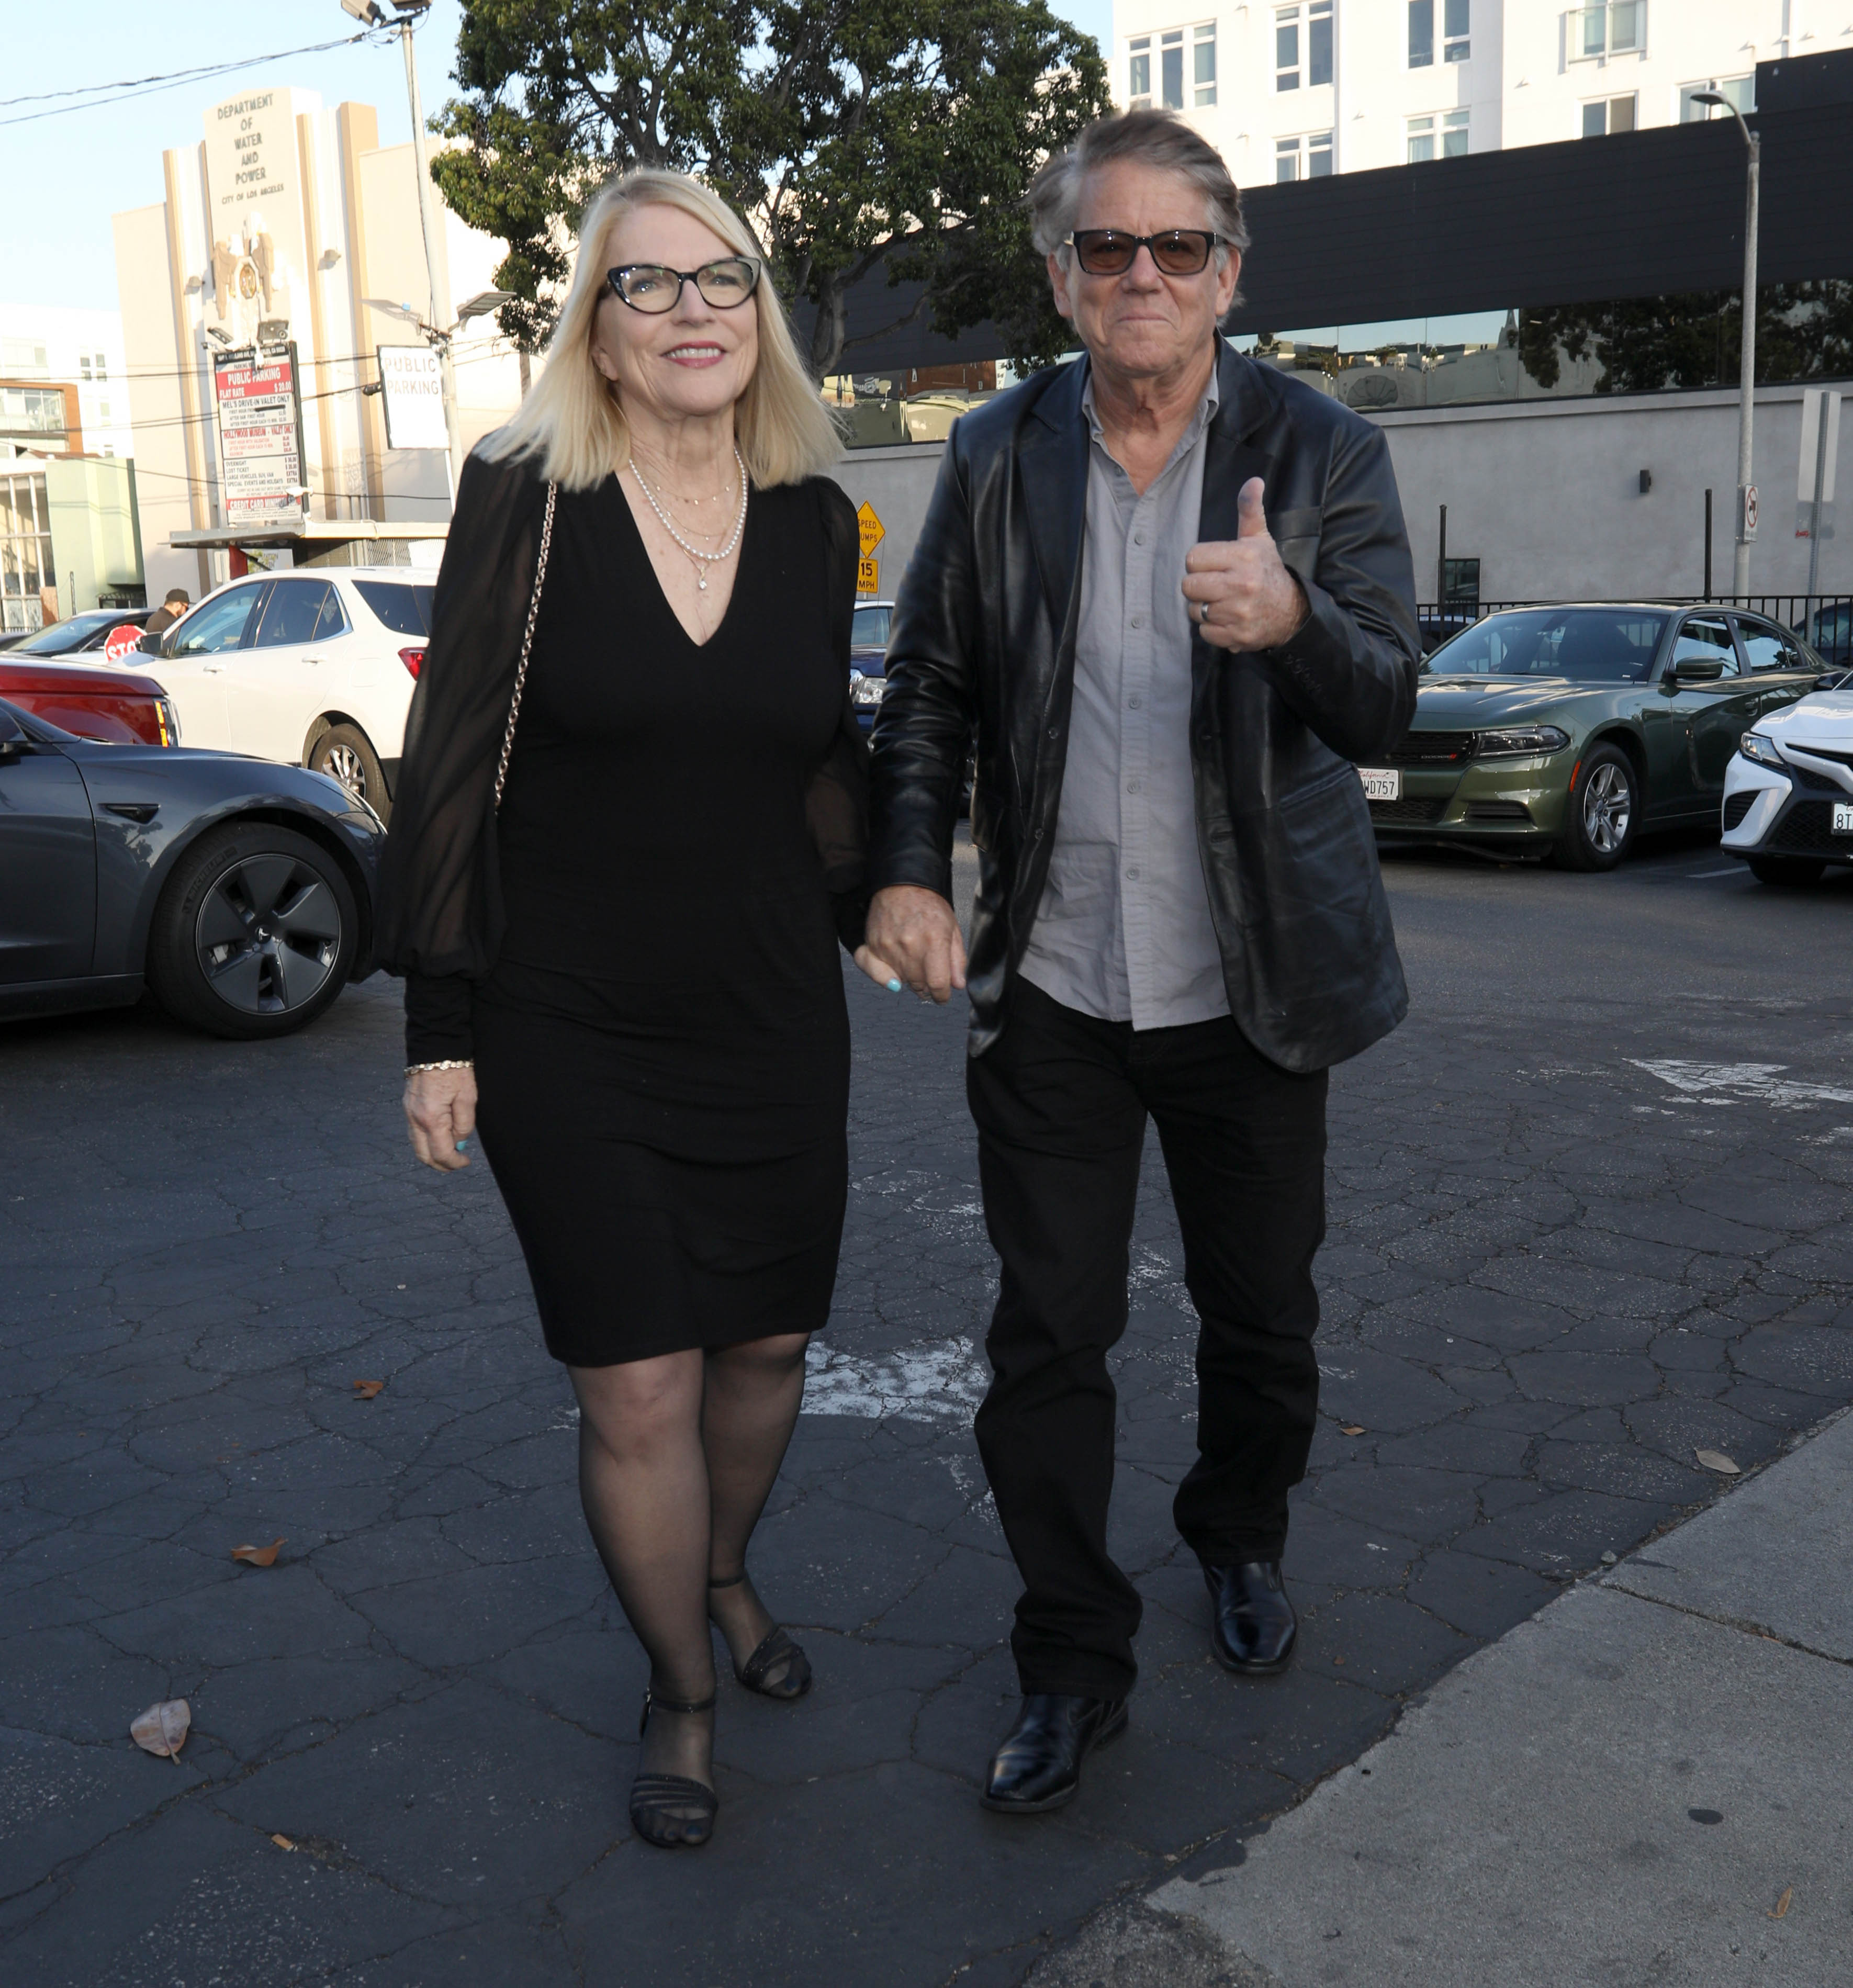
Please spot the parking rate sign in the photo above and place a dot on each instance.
(260, 455)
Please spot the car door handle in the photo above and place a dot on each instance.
(142, 811)
(213, 669)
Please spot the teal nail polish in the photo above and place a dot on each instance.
(893, 987)
(463, 1145)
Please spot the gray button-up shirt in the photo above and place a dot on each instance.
(1123, 930)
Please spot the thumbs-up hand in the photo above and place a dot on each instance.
(1241, 596)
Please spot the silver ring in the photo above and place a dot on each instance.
(1203, 614)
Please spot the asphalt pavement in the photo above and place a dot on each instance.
(1588, 1218)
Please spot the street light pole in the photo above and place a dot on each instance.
(409, 13)
(1746, 388)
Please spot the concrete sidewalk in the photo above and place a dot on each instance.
(1650, 1782)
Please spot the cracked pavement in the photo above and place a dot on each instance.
(1589, 1215)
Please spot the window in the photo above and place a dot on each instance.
(1460, 577)
(1309, 158)
(1456, 46)
(25, 550)
(1203, 64)
(1608, 115)
(300, 610)
(1587, 644)
(215, 625)
(1449, 130)
(1614, 28)
(1706, 641)
(1303, 45)
(1740, 90)
(21, 355)
(869, 628)
(1171, 62)
(406, 610)
(32, 415)
(1767, 648)
(1138, 73)
(1421, 34)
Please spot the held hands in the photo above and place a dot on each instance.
(1254, 602)
(440, 1114)
(913, 939)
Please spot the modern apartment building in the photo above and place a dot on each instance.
(1304, 88)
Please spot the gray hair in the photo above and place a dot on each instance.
(1153, 138)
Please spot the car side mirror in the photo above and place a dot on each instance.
(1833, 680)
(1696, 669)
(12, 741)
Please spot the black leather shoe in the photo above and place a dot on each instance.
(1254, 1626)
(1039, 1766)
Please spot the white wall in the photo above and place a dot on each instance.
(1545, 495)
(74, 341)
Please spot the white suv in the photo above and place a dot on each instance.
(314, 667)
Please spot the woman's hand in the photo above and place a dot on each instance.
(440, 1114)
(913, 937)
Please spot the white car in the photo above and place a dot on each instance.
(1788, 790)
(314, 667)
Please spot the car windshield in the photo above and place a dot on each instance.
(405, 609)
(1588, 644)
(62, 637)
(870, 630)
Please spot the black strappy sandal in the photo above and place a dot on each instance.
(660, 1802)
(775, 1648)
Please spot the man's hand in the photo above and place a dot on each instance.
(441, 1111)
(1254, 602)
(913, 936)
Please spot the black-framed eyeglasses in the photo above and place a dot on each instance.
(1110, 252)
(654, 288)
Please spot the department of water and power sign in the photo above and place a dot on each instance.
(260, 439)
(413, 380)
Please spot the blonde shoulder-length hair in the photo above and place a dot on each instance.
(572, 424)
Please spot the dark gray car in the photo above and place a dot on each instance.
(241, 894)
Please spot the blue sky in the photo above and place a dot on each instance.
(67, 174)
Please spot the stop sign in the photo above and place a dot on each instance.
(121, 641)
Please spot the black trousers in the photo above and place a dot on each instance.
(1061, 1101)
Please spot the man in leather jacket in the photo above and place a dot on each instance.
(1170, 591)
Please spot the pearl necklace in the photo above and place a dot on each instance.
(702, 561)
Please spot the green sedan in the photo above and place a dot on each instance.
(1566, 731)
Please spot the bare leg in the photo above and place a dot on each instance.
(644, 1481)
(753, 1395)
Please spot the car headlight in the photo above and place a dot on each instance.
(1754, 746)
(866, 690)
(1519, 741)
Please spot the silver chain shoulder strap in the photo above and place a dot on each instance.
(527, 643)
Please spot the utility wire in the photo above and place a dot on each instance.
(98, 94)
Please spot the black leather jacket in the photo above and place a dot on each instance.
(983, 641)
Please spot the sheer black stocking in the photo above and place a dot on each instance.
(748, 1412)
(644, 1481)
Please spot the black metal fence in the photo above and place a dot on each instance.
(1793, 610)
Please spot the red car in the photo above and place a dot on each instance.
(110, 705)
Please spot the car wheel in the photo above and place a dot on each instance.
(254, 933)
(1602, 813)
(345, 753)
(1785, 869)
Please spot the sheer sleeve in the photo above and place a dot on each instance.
(437, 1018)
(440, 896)
(837, 805)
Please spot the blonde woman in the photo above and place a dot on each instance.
(629, 835)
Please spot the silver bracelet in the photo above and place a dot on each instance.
(464, 1063)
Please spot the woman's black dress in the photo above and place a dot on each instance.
(662, 1047)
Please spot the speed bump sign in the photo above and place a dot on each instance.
(872, 530)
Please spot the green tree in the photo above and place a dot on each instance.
(856, 134)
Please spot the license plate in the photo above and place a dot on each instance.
(1843, 818)
(1384, 783)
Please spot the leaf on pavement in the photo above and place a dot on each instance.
(365, 1391)
(1716, 1459)
(258, 1556)
(282, 1842)
(1352, 1429)
(163, 1728)
(1782, 1904)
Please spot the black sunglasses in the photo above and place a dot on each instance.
(652, 287)
(1108, 252)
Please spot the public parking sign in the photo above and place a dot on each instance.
(413, 380)
(260, 438)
